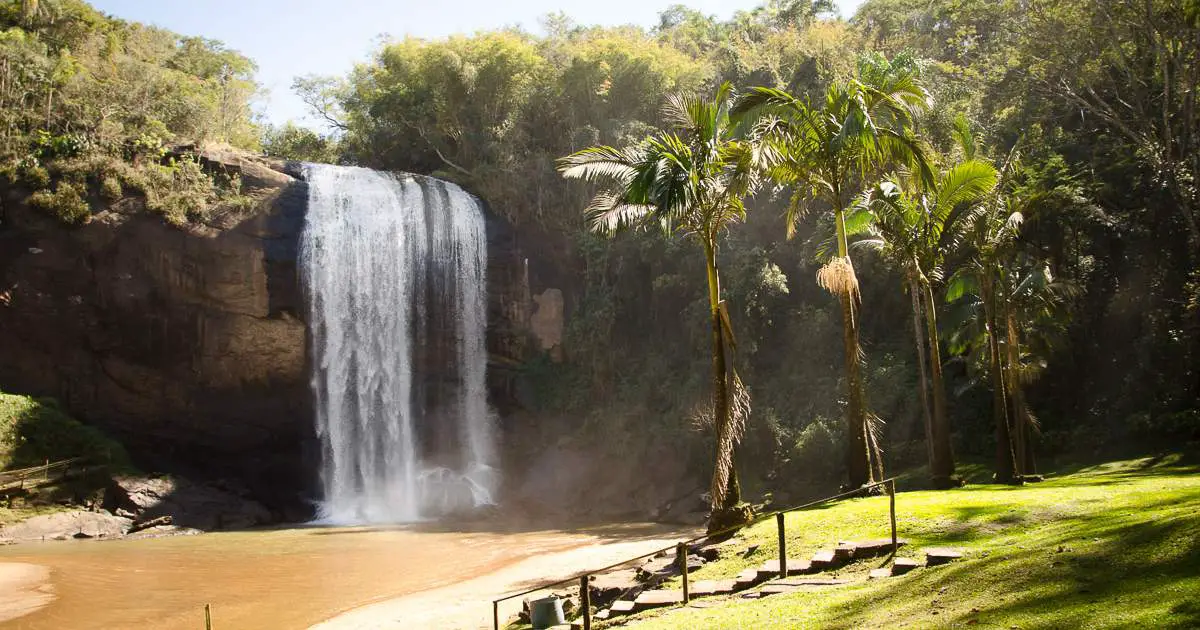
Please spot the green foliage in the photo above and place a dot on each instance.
(32, 175)
(180, 190)
(809, 456)
(291, 142)
(110, 188)
(79, 88)
(33, 430)
(66, 203)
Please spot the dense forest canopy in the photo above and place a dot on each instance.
(1084, 109)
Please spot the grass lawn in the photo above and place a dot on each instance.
(1110, 546)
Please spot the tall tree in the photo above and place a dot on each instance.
(825, 153)
(690, 179)
(913, 225)
(993, 230)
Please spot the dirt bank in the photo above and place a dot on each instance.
(467, 605)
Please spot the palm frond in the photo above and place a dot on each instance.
(600, 164)
(965, 182)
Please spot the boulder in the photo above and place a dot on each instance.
(64, 525)
(180, 503)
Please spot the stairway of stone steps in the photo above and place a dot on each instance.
(634, 590)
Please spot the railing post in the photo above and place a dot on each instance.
(782, 546)
(207, 618)
(495, 614)
(681, 555)
(585, 600)
(892, 508)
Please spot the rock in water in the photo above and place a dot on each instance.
(189, 505)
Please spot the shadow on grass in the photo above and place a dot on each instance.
(1122, 568)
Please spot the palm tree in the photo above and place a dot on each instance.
(1033, 302)
(913, 226)
(689, 179)
(993, 229)
(825, 152)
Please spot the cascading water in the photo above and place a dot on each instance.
(394, 272)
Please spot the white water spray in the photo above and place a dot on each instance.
(394, 271)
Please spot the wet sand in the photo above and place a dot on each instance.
(294, 578)
(24, 588)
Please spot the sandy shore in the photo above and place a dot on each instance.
(468, 605)
(24, 589)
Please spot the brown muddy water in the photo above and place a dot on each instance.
(295, 578)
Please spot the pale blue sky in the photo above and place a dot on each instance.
(288, 38)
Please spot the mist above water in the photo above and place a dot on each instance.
(394, 273)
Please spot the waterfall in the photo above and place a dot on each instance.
(394, 274)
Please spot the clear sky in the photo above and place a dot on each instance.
(289, 38)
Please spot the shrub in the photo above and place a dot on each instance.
(110, 188)
(817, 452)
(180, 191)
(33, 175)
(66, 203)
(35, 430)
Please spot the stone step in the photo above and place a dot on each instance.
(746, 579)
(845, 551)
(940, 555)
(704, 588)
(603, 615)
(622, 607)
(792, 585)
(824, 559)
(900, 566)
(880, 573)
(795, 566)
(658, 599)
(872, 548)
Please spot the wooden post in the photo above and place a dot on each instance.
(585, 600)
(782, 546)
(681, 555)
(892, 508)
(207, 618)
(495, 615)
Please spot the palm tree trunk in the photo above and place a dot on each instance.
(858, 466)
(858, 455)
(919, 338)
(1005, 461)
(724, 489)
(943, 452)
(1024, 451)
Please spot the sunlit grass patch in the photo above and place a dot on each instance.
(1108, 546)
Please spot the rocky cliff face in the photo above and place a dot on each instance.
(189, 345)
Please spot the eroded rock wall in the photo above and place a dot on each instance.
(189, 344)
(186, 344)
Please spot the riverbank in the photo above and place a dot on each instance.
(295, 578)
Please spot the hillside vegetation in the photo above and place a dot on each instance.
(91, 107)
(1074, 311)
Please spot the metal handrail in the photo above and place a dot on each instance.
(584, 578)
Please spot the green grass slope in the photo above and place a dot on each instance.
(1110, 546)
(33, 430)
